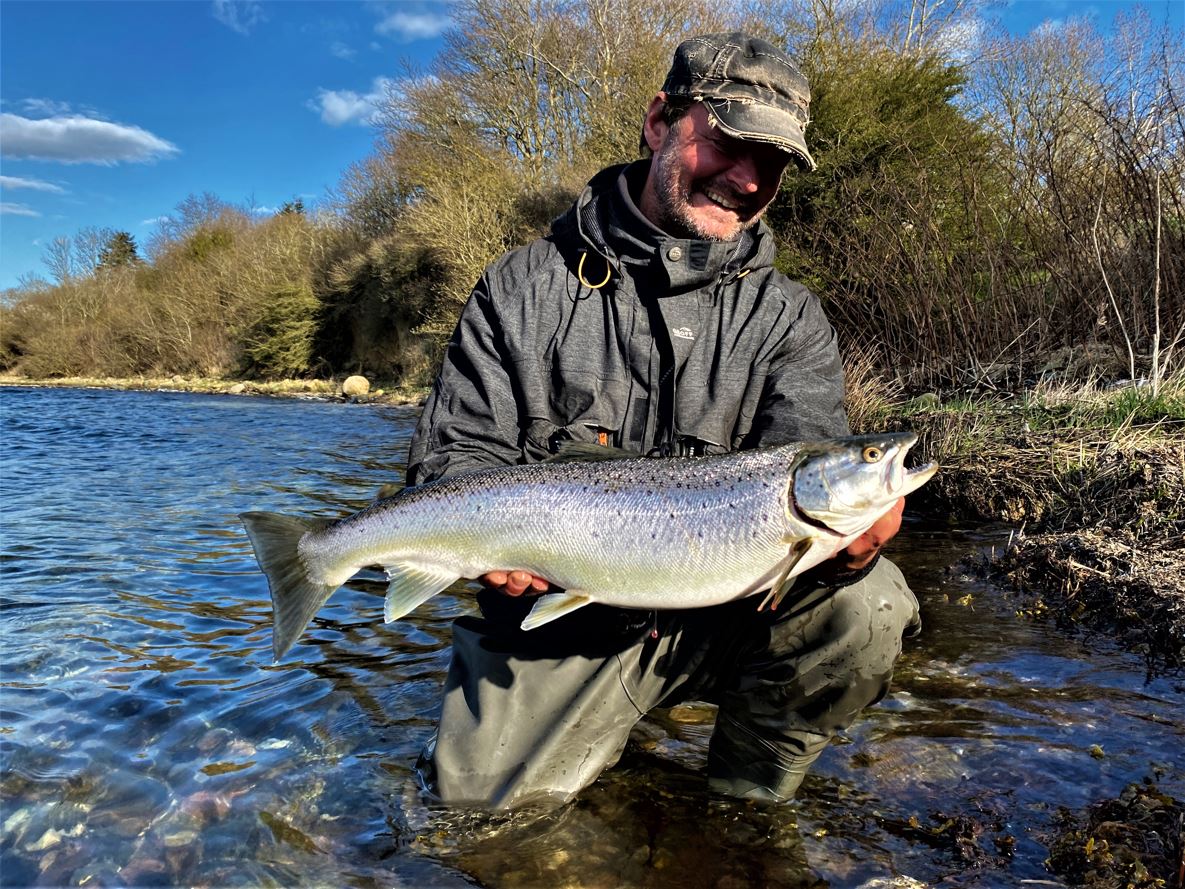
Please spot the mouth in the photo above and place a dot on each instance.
(722, 200)
(914, 477)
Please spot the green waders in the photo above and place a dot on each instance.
(534, 717)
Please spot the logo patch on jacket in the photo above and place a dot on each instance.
(683, 333)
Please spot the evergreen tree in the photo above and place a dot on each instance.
(120, 251)
(294, 207)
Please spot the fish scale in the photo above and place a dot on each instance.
(630, 532)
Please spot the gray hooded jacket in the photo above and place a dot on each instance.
(689, 347)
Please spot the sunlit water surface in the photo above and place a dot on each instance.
(147, 739)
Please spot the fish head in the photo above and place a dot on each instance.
(846, 484)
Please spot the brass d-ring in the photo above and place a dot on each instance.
(584, 281)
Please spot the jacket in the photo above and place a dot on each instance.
(686, 347)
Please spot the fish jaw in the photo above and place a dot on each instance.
(846, 485)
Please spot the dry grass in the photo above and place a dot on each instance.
(1095, 482)
(380, 393)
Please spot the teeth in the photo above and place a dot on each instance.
(722, 200)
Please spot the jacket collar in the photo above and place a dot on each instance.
(608, 220)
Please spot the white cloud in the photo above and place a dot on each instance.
(962, 40)
(342, 51)
(80, 140)
(239, 15)
(155, 220)
(409, 26)
(338, 107)
(46, 107)
(30, 184)
(7, 208)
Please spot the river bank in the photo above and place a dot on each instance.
(1096, 501)
(380, 392)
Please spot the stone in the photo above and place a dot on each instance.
(355, 386)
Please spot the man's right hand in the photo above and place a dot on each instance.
(515, 583)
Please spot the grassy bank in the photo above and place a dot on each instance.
(1093, 482)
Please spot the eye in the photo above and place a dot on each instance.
(872, 454)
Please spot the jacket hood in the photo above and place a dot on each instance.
(606, 220)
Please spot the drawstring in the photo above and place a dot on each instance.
(584, 281)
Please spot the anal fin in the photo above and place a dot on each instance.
(411, 586)
(549, 607)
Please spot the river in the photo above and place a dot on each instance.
(147, 738)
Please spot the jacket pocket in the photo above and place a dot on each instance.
(710, 413)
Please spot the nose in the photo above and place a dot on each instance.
(745, 173)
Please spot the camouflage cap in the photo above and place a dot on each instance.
(752, 89)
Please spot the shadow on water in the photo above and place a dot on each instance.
(148, 739)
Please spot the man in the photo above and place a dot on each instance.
(651, 319)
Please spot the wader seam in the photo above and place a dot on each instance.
(625, 687)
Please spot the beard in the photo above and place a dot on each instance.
(677, 216)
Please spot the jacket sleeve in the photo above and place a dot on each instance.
(802, 399)
(470, 420)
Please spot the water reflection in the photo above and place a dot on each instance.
(148, 739)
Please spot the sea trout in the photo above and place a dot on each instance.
(682, 532)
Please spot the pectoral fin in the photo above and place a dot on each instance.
(799, 547)
(554, 605)
(411, 586)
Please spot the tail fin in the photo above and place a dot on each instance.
(295, 596)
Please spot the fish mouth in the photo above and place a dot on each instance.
(909, 479)
(835, 499)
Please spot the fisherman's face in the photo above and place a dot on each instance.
(703, 183)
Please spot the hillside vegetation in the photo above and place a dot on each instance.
(976, 209)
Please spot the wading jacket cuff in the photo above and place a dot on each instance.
(830, 574)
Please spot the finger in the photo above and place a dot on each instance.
(495, 578)
(539, 585)
(517, 583)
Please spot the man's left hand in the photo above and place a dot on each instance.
(864, 548)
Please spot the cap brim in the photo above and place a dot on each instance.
(762, 123)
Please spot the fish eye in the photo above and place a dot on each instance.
(872, 454)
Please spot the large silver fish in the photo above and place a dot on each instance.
(636, 533)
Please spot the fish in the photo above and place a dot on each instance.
(600, 525)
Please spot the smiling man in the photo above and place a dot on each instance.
(652, 319)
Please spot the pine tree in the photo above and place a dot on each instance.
(119, 251)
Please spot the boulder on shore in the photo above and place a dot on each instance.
(355, 386)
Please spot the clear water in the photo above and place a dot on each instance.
(147, 739)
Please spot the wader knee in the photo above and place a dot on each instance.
(518, 727)
(826, 659)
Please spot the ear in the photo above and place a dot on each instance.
(654, 128)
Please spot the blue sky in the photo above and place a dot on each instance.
(113, 112)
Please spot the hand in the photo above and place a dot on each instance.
(515, 583)
(864, 548)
